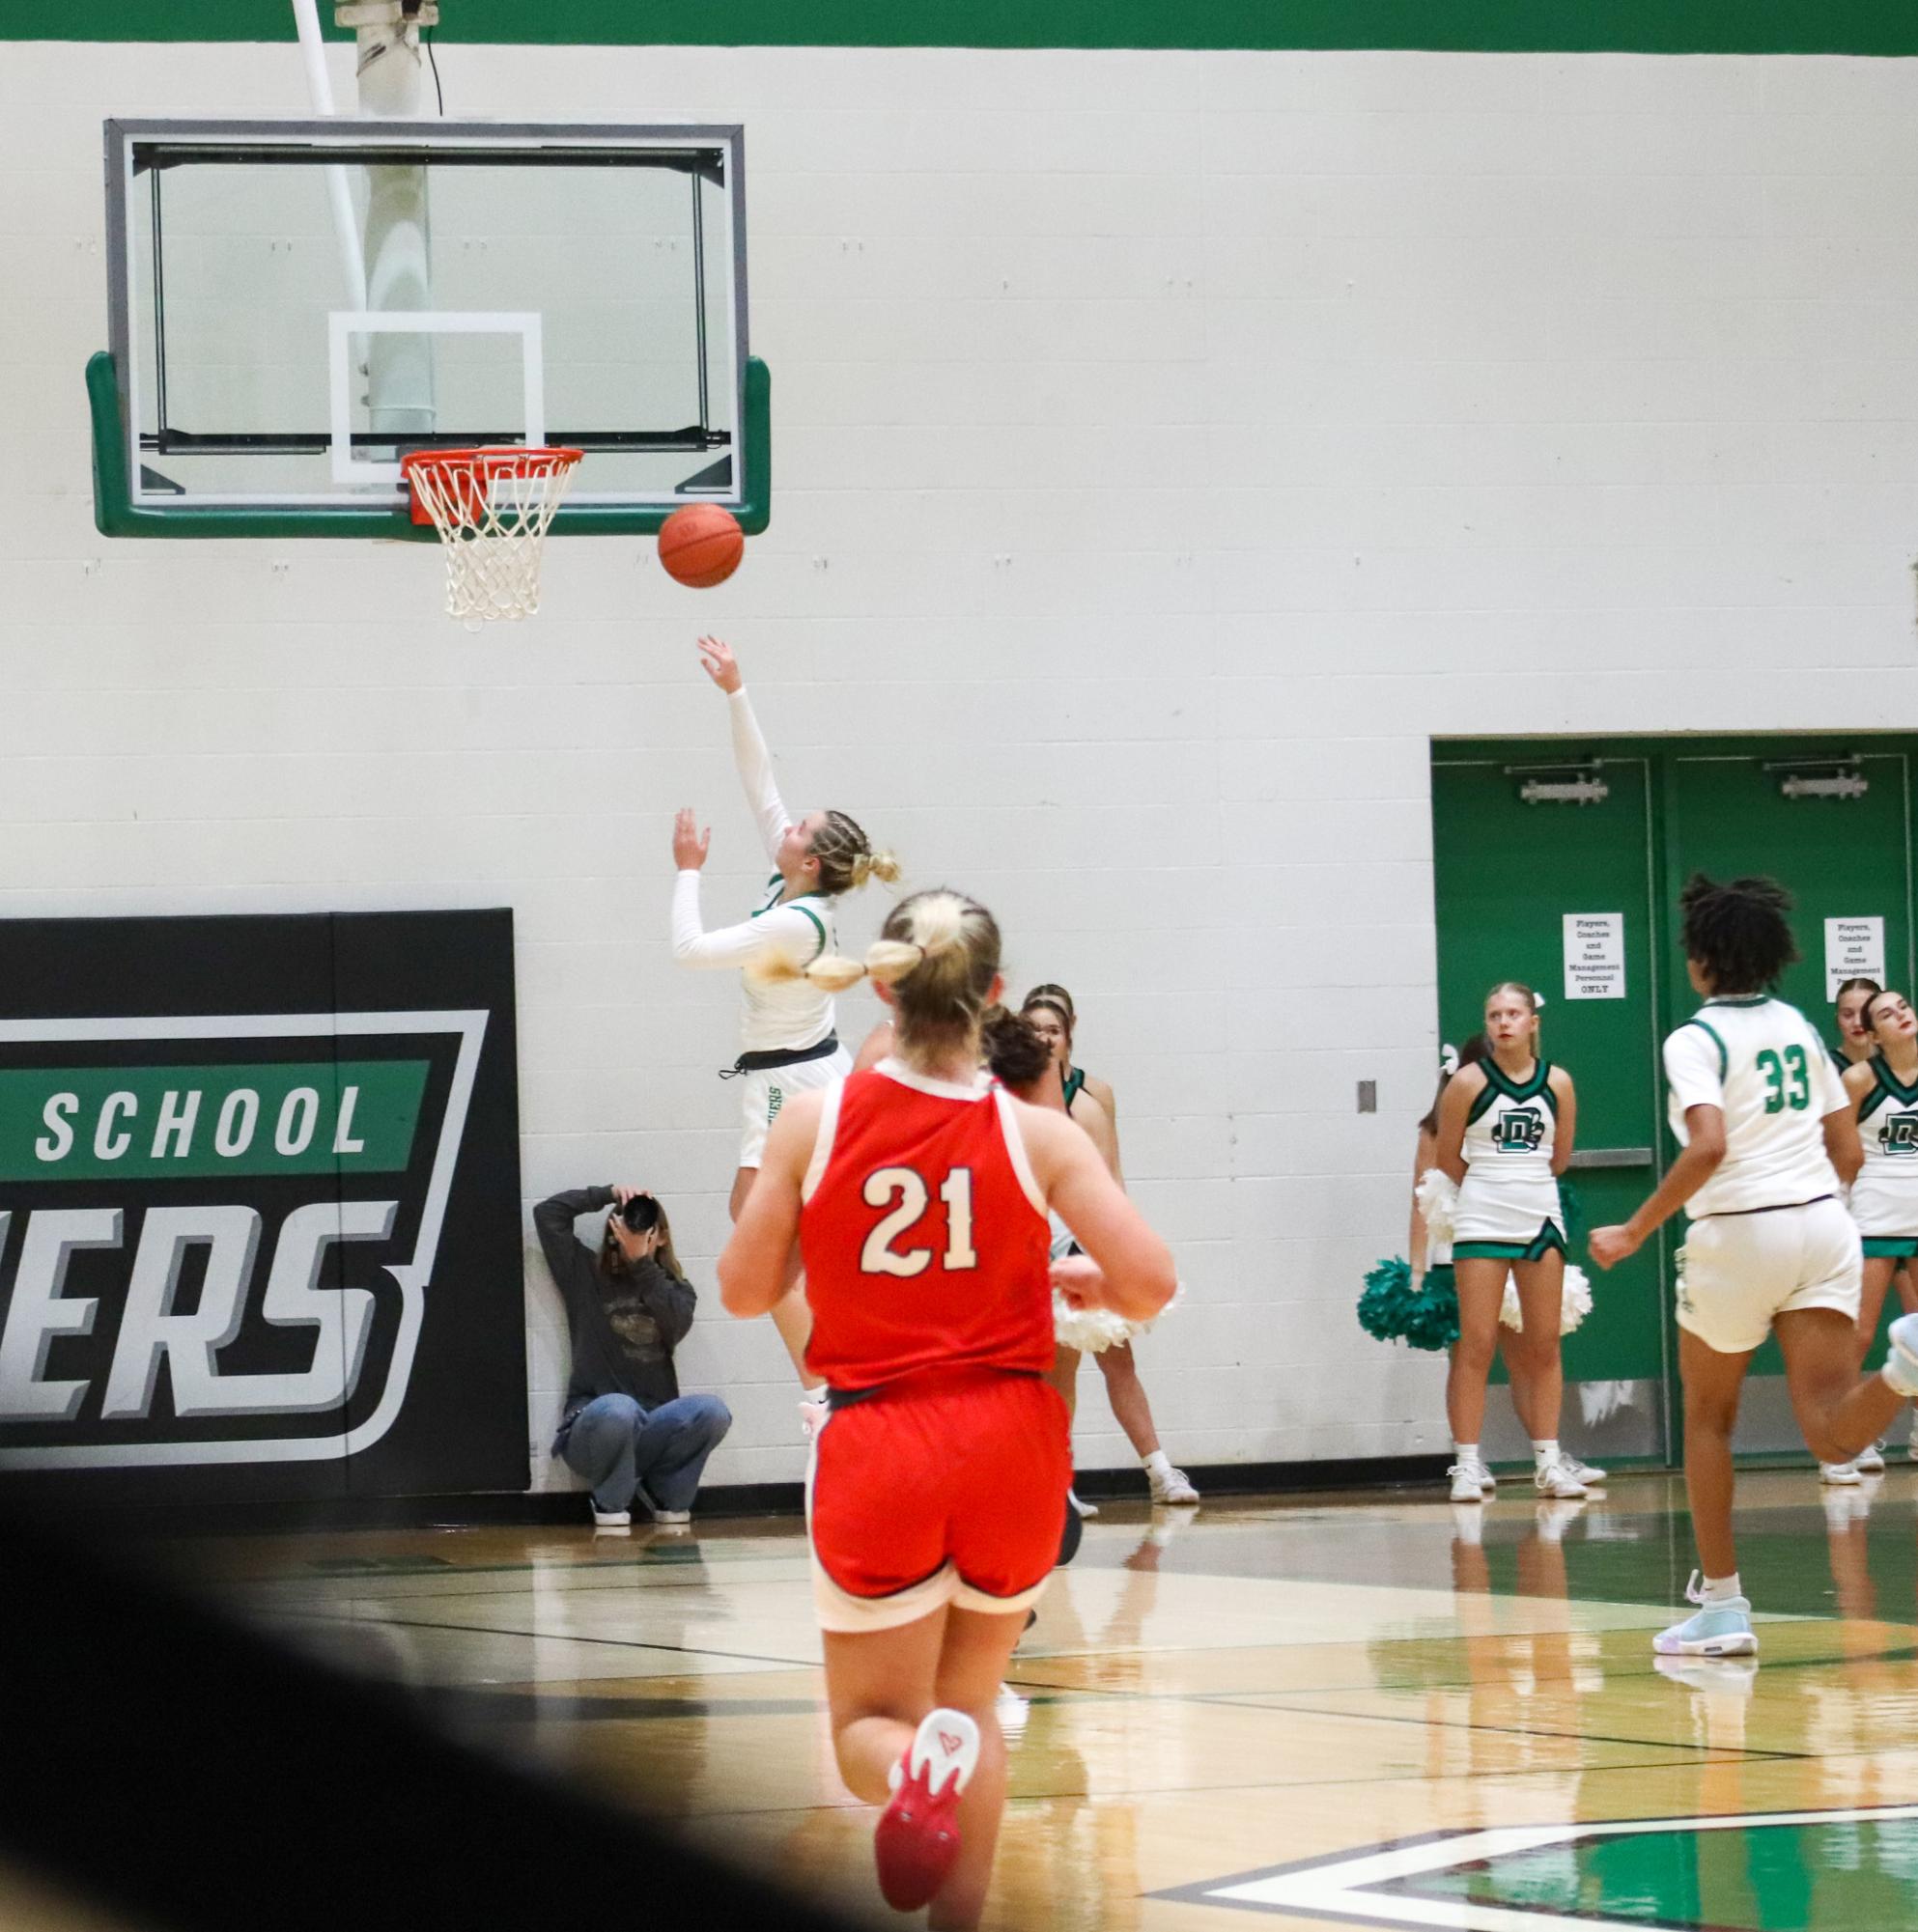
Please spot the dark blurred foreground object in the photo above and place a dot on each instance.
(166, 1760)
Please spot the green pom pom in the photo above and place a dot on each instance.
(1389, 1309)
(1387, 1293)
(1573, 1209)
(1432, 1319)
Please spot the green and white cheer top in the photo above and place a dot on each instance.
(1885, 1197)
(1509, 1196)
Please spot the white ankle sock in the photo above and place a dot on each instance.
(1466, 1452)
(1544, 1454)
(1722, 1590)
(1157, 1460)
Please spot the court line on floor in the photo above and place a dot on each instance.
(557, 1637)
(1703, 1752)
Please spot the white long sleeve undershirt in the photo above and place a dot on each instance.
(780, 1014)
(756, 775)
(785, 929)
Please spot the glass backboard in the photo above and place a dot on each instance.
(298, 304)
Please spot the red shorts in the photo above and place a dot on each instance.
(949, 1490)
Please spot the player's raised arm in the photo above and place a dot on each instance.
(750, 750)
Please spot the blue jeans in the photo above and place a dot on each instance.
(616, 1445)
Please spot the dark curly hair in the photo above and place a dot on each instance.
(1014, 1049)
(1737, 932)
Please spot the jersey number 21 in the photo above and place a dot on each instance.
(904, 1190)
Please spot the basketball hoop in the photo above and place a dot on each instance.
(492, 508)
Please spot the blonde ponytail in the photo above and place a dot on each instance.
(846, 856)
(889, 961)
(831, 973)
(880, 865)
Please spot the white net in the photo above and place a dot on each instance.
(492, 508)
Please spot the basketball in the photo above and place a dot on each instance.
(701, 545)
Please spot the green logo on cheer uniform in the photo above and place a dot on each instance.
(1520, 1129)
(217, 1234)
(1897, 1134)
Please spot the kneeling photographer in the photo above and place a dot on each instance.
(626, 1428)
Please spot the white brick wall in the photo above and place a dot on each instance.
(1166, 447)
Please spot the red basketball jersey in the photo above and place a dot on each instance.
(924, 1237)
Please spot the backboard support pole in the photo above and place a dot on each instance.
(320, 89)
(392, 79)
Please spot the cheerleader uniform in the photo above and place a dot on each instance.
(1508, 1207)
(1885, 1197)
(787, 1030)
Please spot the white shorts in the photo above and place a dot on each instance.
(763, 1093)
(847, 1615)
(1738, 1271)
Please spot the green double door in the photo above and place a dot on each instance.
(1562, 871)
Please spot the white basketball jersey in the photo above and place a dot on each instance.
(1759, 1061)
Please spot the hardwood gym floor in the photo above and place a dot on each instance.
(1215, 1698)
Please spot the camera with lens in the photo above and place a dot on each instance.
(639, 1214)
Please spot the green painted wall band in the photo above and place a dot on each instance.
(182, 1123)
(1871, 27)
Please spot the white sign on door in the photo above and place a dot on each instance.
(1594, 955)
(1853, 949)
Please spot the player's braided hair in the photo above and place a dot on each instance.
(1737, 932)
(846, 856)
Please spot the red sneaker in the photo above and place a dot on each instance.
(917, 1835)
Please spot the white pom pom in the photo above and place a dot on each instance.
(1093, 1331)
(1437, 1195)
(1572, 1309)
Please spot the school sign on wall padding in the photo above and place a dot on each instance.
(260, 1206)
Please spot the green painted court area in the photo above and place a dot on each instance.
(1843, 1871)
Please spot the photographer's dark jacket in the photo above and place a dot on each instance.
(624, 1327)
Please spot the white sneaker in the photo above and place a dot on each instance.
(1840, 1475)
(1716, 1630)
(1556, 1479)
(669, 1517)
(1872, 1463)
(1900, 1367)
(1171, 1486)
(1081, 1509)
(1590, 1477)
(612, 1519)
(1469, 1481)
